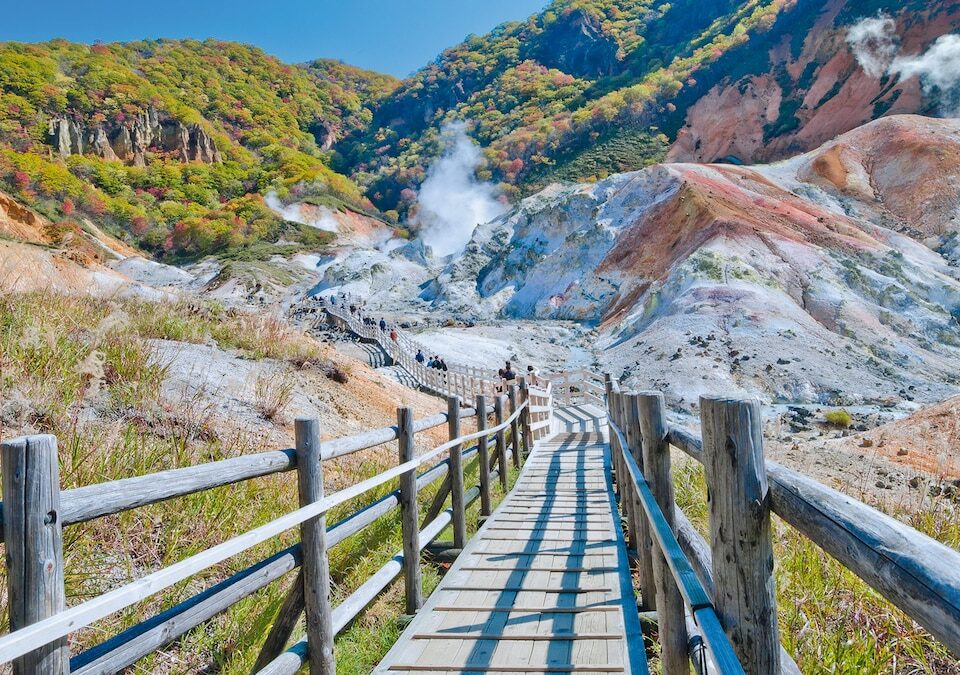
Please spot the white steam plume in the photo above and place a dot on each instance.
(452, 202)
(324, 219)
(874, 44)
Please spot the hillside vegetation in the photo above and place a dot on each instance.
(176, 142)
(548, 96)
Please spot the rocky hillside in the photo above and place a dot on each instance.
(591, 87)
(174, 143)
(832, 277)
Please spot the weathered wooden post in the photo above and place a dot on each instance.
(739, 501)
(628, 500)
(456, 474)
(313, 537)
(34, 539)
(484, 454)
(514, 427)
(642, 537)
(650, 412)
(498, 404)
(525, 418)
(413, 586)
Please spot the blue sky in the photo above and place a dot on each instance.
(392, 36)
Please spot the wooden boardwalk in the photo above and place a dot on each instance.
(544, 586)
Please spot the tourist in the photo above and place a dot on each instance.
(383, 325)
(419, 356)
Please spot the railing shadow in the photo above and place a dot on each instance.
(559, 653)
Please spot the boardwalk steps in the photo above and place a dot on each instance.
(549, 592)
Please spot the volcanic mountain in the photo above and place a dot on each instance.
(832, 277)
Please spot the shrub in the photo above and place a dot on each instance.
(839, 418)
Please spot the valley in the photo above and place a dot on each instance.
(752, 199)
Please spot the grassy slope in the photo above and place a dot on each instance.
(265, 117)
(84, 370)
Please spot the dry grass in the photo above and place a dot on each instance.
(273, 392)
(830, 620)
(84, 370)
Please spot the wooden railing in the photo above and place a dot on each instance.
(35, 511)
(458, 379)
(728, 582)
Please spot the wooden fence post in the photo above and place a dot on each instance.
(498, 417)
(456, 474)
(514, 427)
(484, 455)
(739, 500)
(525, 418)
(313, 537)
(642, 537)
(413, 585)
(650, 412)
(34, 540)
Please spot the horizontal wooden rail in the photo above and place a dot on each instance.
(82, 504)
(915, 572)
(129, 646)
(59, 625)
(694, 595)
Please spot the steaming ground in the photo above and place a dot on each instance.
(451, 201)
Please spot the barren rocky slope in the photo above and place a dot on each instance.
(829, 278)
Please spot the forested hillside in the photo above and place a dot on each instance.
(175, 142)
(592, 87)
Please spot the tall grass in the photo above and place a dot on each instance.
(830, 620)
(84, 370)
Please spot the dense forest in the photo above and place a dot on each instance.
(175, 143)
(268, 125)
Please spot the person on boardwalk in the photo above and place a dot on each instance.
(420, 357)
(443, 365)
(507, 373)
(383, 325)
(393, 334)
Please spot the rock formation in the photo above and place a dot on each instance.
(131, 139)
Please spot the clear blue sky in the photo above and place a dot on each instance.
(392, 36)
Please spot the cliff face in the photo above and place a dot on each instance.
(832, 277)
(811, 88)
(131, 139)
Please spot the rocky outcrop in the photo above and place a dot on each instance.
(132, 138)
(66, 137)
(817, 279)
(576, 44)
(809, 91)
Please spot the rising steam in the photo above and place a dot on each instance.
(451, 201)
(322, 220)
(876, 47)
(874, 43)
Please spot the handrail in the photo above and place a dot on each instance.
(24, 640)
(689, 585)
(915, 572)
(82, 504)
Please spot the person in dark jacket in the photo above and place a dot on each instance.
(508, 374)
(443, 365)
(383, 325)
(419, 356)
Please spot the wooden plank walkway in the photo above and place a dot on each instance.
(544, 586)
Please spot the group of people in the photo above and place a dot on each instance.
(506, 374)
(434, 362)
